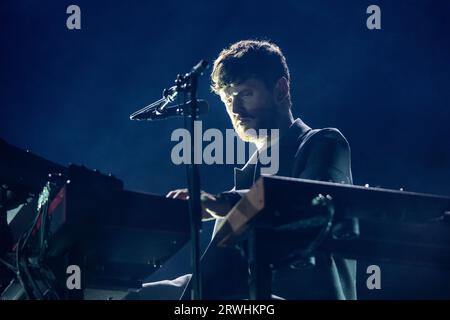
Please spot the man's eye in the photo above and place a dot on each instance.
(246, 93)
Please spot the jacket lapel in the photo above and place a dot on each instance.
(244, 177)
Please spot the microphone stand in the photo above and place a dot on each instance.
(195, 209)
(188, 85)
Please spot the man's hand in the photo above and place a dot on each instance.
(212, 207)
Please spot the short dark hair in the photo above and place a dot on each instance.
(246, 59)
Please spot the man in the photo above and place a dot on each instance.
(253, 81)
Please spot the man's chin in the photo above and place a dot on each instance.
(247, 134)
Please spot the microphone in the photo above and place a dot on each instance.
(159, 110)
(198, 69)
(154, 112)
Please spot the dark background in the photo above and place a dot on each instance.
(66, 94)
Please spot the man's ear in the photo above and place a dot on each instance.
(281, 90)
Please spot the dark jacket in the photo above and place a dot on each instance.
(320, 154)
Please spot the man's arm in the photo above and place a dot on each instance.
(327, 158)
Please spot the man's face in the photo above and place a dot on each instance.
(250, 105)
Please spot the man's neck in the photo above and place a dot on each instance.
(283, 123)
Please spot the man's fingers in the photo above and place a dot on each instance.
(211, 207)
(205, 196)
(184, 195)
(181, 194)
(178, 194)
(172, 193)
(169, 194)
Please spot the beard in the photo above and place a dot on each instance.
(248, 128)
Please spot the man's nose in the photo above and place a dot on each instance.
(236, 106)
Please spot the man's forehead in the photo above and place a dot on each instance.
(234, 88)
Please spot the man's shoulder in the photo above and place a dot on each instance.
(303, 133)
(324, 154)
(324, 135)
